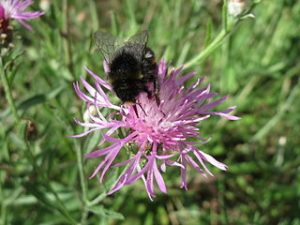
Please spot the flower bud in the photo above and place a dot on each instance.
(236, 7)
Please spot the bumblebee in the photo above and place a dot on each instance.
(132, 66)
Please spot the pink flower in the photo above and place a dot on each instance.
(161, 134)
(15, 10)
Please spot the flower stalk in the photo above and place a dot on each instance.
(8, 92)
(208, 50)
(229, 22)
(83, 184)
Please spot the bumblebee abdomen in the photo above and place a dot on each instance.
(124, 65)
(127, 89)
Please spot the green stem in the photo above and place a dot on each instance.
(82, 184)
(8, 93)
(228, 26)
(98, 199)
(208, 50)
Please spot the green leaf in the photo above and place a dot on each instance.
(32, 101)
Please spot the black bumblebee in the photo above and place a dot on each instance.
(132, 65)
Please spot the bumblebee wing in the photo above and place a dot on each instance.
(138, 43)
(139, 38)
(106, 44)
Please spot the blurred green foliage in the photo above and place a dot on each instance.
(256, 65)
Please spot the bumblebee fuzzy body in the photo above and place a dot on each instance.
(132, 68)
(130, 76)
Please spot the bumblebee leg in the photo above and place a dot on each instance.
(149, 94)
(135, 110)
(156, 91)
(141, 108)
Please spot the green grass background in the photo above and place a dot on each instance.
(256, 65)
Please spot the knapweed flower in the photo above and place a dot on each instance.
(14, 10)
(156, 134)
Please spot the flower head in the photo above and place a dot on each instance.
(162, 134)
(15, 10)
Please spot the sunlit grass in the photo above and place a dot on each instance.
(255, 62)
